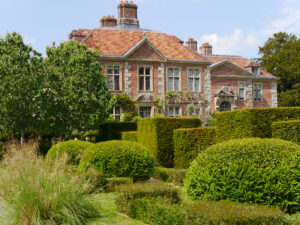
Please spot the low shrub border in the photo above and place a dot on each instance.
(189, 142)
(245, 123)
(287, 130)
(253, 170)
(157, 135)
(73, 150)
(119, 159)
(176, 176)
(129, 136)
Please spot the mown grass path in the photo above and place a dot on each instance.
(105, 203)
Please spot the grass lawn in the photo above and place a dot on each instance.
(105, 203)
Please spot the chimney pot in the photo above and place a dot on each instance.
(206, 49)
(127, 14)
(191, 44)
(108, 21)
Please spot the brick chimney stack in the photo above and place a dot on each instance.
(127, 12)
(108, 21)
(192, 44)
(206, 49)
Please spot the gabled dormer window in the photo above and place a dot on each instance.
(255, 70)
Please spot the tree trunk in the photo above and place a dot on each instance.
(22, 139)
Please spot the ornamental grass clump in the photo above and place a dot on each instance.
(253, 170)
(39, 192)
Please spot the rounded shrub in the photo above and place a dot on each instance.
(73, 150)
(119, 159)
(252, 170)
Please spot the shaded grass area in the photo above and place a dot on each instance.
(105, 203)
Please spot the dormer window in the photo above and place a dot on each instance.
(255, 70)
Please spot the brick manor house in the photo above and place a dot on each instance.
(152, 67)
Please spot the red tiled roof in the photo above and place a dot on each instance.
(238, 61)
(118, 42)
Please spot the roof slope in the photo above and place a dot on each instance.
(118, 42)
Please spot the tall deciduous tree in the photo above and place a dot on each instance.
(20, 85)
(280, 55)
(75, 93)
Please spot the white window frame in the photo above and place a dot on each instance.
(179, 75)
(254, 92)
(138, 78)
(200, 79)
(120, 77)
(149, 106)
(174, 109)
(244, 90)
(114, 114)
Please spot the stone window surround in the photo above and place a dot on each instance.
(261, 91)
(244, 83)
(121, 75)
(114, 115)
(200, 77)
(167, 76)
(151, 78)
(175, 106)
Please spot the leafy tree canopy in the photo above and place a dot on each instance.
(280, 55)
(75, 93)
(290, 98)
(20, 85)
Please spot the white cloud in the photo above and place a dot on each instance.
(29, 40)
(232, 43)
(288, 20)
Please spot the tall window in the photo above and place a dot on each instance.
(144, 78)
(173, 79)
(113, 78)
(145, 112)
(116, 113)
(225, 106)
(242, 91)
(174, 111)
(257, 92)
(194, 80)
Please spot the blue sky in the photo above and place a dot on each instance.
(231, 26)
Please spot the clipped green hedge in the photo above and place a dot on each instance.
(171, 175)
(252, 170)
(73, 150)
(130, 136)
(113, 130)
(228, 213)
(246, 123)
(189, 142)
(113, 182)
(157, 135)
(119, 159)
(129, 192)
(287, 130)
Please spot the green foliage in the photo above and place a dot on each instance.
(189, 142)
(157, 135)
(36, 191)
(93, 180)
(125, 102)
(129, 192)
(75, 94)
(2, 151)
(253, 170)
(280, 56)
(21, 81)
(119, 159)
(129, 136)
(246, 123)
(287, 130)
(156, 212)
(228, 213)
(176, 176)
(113, 130)
(290, 98)
(113, 182)
(73, 150)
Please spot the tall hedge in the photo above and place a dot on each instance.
(157, 135)
(287, 130)
(189, 142)
(113, 130)
(252, 122)
(129, 136)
